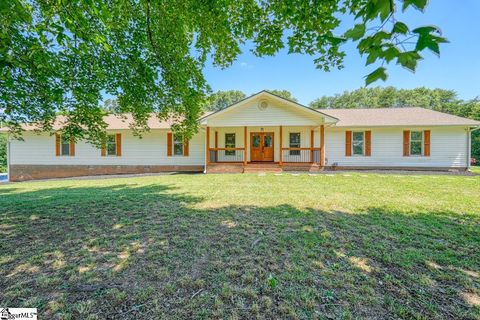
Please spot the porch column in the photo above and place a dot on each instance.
(312, 137)
(322, 145)
(281, 145)
(208, 145)
(245, 145)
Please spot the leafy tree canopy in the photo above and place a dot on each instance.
(3, 153)
(111, 105)
(222, 99)
(63, 56)
(284, 94)
(379, 97)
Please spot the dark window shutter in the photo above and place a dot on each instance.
(72, 147)
(186, 148)
(348, 143)
(426, 143)
(118, 141)
(169, 144)
(406, 143)
(57, 144)
(368, 143)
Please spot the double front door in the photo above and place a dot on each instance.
(261, 146)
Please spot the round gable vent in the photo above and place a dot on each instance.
(262, 105)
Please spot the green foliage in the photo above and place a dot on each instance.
(272, 281)
(385, 97)
(63, 56)
(284, 94)
(222, 99)
(379, 73)
(111, 106)
(436, 99)
(3, 152)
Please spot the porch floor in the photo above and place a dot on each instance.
(257, 167)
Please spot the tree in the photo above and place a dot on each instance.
(3, 153)
(284, 94)
(378, 97)
(111, 106)
(63, 56)
(222, 99)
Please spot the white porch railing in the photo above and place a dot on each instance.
(218, 155)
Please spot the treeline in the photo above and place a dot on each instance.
(3, 152)
(390, 97)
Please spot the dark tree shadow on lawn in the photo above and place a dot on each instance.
(147, 252)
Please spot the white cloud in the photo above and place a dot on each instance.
(246, 65)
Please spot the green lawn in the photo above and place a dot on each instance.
(243, 246)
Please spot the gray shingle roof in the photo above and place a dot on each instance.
(377, 117)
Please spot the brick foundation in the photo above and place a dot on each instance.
(371, 168)
(31, 172)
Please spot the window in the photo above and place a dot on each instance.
(111, 145)
(358, 143)
(294, 143)
(178, 145)
(229, 143)
(416, 143)
(65, 146)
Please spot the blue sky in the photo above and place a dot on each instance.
(457, 68)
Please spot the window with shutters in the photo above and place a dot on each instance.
(111, 145)
(178, 145)
(65, 146)
(416, 143)
(229, 143)
(358, 143)
(294, 143)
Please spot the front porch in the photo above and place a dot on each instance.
(265, 149)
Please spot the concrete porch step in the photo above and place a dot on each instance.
(225, 168)
(262, 167)
(258, 170)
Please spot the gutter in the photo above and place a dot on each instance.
(205, 158)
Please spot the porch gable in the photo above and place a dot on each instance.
(266, 109)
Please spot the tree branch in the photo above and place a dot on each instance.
(149, 30)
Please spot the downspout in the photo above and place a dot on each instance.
(205, 158)
(469, 145)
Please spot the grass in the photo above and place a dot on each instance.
(475, 169)
(338, 246)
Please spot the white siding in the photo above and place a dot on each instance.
(448, 148)
(150, 150)
(275, 114)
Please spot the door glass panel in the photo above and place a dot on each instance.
(267, 141)
(256, 141)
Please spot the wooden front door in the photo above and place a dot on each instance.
(261, 146)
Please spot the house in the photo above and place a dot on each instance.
(261, 132)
